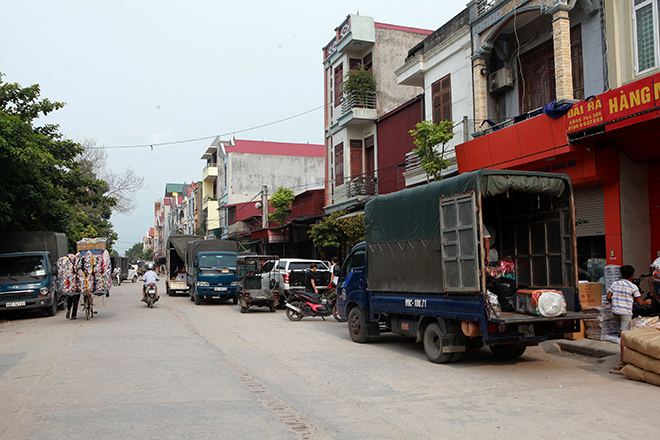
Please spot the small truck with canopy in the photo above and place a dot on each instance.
(423, 271)
(176, 254)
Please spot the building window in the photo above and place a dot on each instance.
(339, 164)
(367, 61)
(339, 80)
(441, 91)
(646, 31)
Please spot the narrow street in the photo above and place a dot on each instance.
(182, 371)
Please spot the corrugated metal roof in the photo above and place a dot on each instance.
(276, 148)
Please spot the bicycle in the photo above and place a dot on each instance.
(88, 305)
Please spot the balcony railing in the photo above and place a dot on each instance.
(412, 162)
(358, 187)
(366, 100)
(507, 122)
(485, 5)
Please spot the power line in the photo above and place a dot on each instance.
(160, 144)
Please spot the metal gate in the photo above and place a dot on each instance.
(458, 229)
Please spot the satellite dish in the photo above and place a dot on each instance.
(257, 206)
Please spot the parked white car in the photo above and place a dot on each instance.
(290, 274)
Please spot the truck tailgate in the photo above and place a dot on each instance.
(178, 285)
(519, 318)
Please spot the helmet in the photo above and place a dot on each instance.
(150, 266)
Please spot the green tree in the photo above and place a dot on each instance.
(333, 231)
(43, 185)
(281, 201)
(431, 141)
(134, 252)
(359, 83)
(353, 228)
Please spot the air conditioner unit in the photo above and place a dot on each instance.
(500, 80)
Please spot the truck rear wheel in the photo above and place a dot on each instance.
(507, 351)
(134, 279)
(433, 344)
(357, 325)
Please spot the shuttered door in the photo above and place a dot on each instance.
(589, 207)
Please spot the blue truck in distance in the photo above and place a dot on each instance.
(28, 270)
(211, 270)
(422, 271)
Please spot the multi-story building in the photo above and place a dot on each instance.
(351, 149)
(180, 219)
(440, 64)
(530, 57)
(209, 193)
(245, 167)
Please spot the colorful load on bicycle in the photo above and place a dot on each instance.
(87, 271)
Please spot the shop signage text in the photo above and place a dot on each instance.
(640, 96)
(557, 167)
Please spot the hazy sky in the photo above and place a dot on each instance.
(143, 72)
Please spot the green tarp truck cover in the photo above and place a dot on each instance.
(406, 248)
(36, 241)
(413, 213)
(195, 247)
(179, 242)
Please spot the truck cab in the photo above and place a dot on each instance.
(213, 276)
(28, 280)
(353, 279)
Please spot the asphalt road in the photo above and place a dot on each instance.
(180, 371)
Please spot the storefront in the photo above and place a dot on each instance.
(609, 145)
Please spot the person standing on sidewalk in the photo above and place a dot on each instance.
(621, 295)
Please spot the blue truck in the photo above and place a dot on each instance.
(28, 270)
(423, 272)
(211, 270)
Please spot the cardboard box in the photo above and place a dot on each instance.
(590, 294)
(577, 335)
(523, 300)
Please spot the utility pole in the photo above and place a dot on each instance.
(264, 207)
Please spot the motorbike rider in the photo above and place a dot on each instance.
(116, 273)
(149, 277)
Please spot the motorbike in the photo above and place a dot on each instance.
(301, 304)
(150, 295)
(116, 279)
(652, 309)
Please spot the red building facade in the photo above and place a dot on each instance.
(610, 147)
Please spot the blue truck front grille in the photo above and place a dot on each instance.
(19, 294)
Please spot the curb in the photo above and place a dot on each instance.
(589, 347)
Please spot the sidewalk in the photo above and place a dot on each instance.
(589, 347)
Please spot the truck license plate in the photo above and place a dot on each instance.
(220, 289)
(16, 304)
(527, 330)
